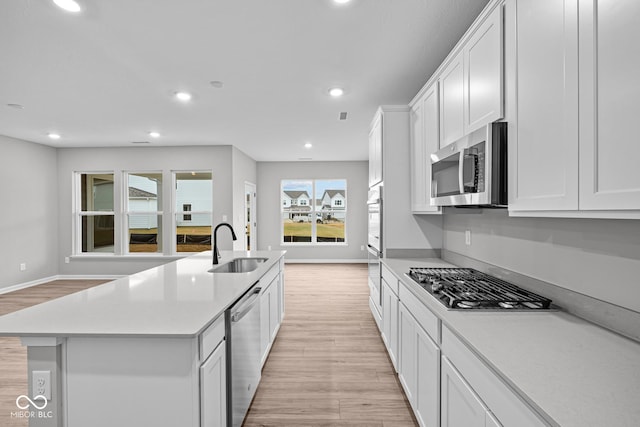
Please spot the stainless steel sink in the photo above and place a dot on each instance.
(239, 265)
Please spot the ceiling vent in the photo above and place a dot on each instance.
(343, 115)
(140, 142)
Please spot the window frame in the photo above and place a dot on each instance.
(167, 211)
(314, 212)
(79, 214)
(175, 212)
(126, 213)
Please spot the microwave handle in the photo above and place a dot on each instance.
(461, 172)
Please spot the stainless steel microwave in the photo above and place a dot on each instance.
(472, 171)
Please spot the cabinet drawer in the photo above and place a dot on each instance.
(268, 277)
(390, 278)
(501, 400)
(426, 319)
(211, 337)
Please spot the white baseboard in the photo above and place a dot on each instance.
(325, 261)
(58, 277)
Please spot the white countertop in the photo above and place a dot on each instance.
(572, 371)
(178, 299)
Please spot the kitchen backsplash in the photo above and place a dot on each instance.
(594, 257)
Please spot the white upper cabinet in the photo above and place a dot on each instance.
(425, 127)
(471, 84)
(483, 73)
(375, 151)
(542, 71)
(609, 93)
(452, 101)
(573, 80)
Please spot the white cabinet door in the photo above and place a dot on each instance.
(452, 102)
(542, 65)
(407, 353)
(213, 389)
(460, 407)
(375, 151)
(425, 131)
(274, 309)
(390, 322)
(609, 109)
(483, 73)
(268, 306)
(427, 404)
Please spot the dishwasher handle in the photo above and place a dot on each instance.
(239, 312)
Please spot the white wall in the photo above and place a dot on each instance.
(218, 159)
(270, 175)
(243, 170)
(598, 258)
(28, 218)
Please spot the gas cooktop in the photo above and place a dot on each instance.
(468, 289)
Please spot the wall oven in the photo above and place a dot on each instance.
(374, 245)
(473, 170)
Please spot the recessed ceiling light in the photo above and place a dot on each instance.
(183, 96)
(336, 92)
(341, 1)
(53, 135)
(16, 106)
(308, 145)
(68, 5)
(154, 134)
(216, 83)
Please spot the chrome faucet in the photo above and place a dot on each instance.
(216, 253)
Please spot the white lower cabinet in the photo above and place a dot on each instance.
(270, 316)
(418, 368)
(508, 408)
(390, 304)
(461, 406)
(446, 384)
(213, 389)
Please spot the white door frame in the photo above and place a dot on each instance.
(249, 219)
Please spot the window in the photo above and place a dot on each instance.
(186, 208)
(95, 216)
(314, 211)
(193, 216)
(144, 212)
(136, 213)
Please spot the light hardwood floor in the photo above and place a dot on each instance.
(328, 365)
(13, 356)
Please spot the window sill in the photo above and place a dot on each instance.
(126, 257)
(315, 245)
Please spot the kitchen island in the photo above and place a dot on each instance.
(525, 368)
(147, 349)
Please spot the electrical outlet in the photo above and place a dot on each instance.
(467, 237)
(362, 247)
(269, 247)
(41, 382)
(224, 218)
(23, 266)
(66, 260)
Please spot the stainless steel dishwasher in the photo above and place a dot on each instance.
(243, 354)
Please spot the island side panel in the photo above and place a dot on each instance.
(44, 357)
(132, 381)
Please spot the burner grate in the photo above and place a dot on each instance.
(466, 288)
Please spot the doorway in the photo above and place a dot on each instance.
(250, 216)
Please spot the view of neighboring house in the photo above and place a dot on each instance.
(142, 201)
(296, 206)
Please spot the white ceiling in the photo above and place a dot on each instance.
(105, 77)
